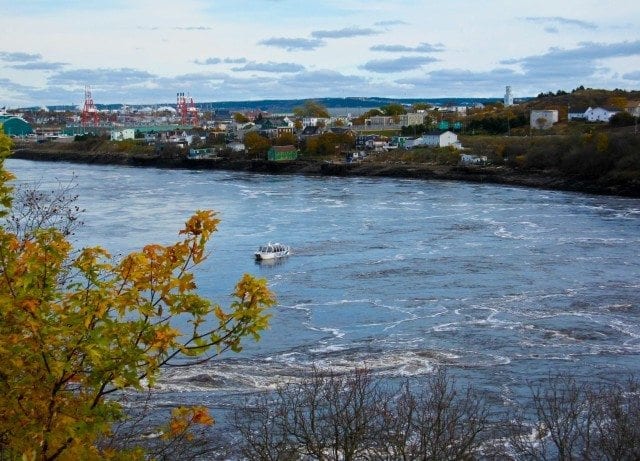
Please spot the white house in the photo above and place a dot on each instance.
(600, 114)
(121, 135)
(577, 114)
(236, 146)
(434, 139)
(441, 139)
(543, 119)
(314, 121)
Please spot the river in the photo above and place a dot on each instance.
(503, 285)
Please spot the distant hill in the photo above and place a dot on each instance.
(287, 105)
(582, 98)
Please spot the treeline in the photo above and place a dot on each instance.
(357, 416)
(605, 156)
(497, 124)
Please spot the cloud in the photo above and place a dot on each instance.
(235, 60)
(560, 21)
(461, 81)
(276, 67)
(108, 77)
(402, 64)
(293, 44)
(576, 62)
(39, 66)
(347, 32)
(632, 76)
(421, 48)
(193, 28)
(208, 61)
(19, 57)
(323, 82)
(552, 29)
(390, 23)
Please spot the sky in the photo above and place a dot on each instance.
(146, 51)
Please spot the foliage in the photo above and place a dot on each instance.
(368, 114)
(328, 144)
(358, 416)
(89, 141)
(34, 209)
(579, 421)
(132, 146)
(239, 117)
(393, 109)
(256, 144)
(582, 97)
(496, 124)
(330, 416)
(285, 139)
(311, 108)
(421, 106)
(622, 119)
(75, 327)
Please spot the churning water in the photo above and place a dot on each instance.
(503, 285)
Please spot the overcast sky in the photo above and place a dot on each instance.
(145, 51)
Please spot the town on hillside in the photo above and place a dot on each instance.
(457, 133)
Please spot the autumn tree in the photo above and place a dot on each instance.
(78, 326)
(421, 106)
(256, 144)
(239, 117)
(311, 108)
(370, 113)
(285, 139)
(328, 144)
(394, 109)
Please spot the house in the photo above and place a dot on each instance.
(600, 114)
(309, 131)
(274, 127)
(236, 146)
(411, 119)
(441, 139)
(577, 113)
(399, 141)
(280, 153)
(381, 121)
(121, 135)
(315, 121)
(543, 119)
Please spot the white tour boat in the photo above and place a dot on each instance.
(272, 251)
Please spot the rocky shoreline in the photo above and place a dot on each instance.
(476, 174)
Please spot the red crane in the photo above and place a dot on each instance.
(89, 111)
(187, 111)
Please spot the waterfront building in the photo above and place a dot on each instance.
(15, 126)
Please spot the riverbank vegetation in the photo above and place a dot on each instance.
(79, 327)
(356, 416)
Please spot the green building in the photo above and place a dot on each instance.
(278, 153)
(15, 126)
